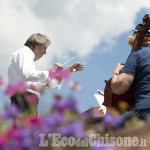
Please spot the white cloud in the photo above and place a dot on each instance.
(72, 25)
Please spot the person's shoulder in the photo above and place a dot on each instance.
(19, 50)
(22, 50)
(18, 53)
(142, 49)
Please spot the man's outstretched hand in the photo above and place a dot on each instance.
(57, 67)
(73, 68)
(76, 67)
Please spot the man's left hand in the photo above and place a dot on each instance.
(76, 67)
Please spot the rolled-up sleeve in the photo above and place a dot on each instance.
(131, 64)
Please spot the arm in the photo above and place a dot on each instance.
(28, 71)
(73, 68)
(57, 81)
(120, 83)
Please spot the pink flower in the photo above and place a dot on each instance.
(3, 140)
(61, 74)
(13, 132)
(52, 73)
(33, 120)
(65, 74)
(32, 98)
(75, 85)
(12, 89)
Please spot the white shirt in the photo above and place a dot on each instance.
(22, 68)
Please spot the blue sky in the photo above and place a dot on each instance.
(98, 68)
(95, 31)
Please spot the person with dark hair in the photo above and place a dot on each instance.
(136, 71)
(22, 68)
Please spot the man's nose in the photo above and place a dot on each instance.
(44, 52)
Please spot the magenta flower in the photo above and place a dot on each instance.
(3, 140)
(65, 74)
(52, 73)
(13, 132)
(12, 89)
(75, 85)
(33, 120)
(32, 98)
(61, 74)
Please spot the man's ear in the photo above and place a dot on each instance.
(33, 47)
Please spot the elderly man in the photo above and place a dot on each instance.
(22, 68)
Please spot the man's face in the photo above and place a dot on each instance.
(39, 51)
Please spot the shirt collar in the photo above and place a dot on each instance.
(30, 51)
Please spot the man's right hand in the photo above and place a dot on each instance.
(57, 67)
